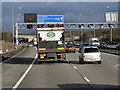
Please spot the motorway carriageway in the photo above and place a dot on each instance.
(23, 71)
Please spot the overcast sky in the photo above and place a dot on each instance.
(60, 0)
(74, 12)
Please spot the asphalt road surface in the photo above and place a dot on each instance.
(20, 73)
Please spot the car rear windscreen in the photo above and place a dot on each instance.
(90, 50)
(95, 41)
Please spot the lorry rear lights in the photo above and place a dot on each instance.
(60, 48)
(41, 54)
(61, 54)
(42, 48)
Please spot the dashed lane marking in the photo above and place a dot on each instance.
(74, 67)
(86, 79)
(117, 65)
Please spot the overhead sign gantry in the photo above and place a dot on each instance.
(34, 21)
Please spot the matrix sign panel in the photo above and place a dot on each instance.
(111, 17)
(30, 17)
(50, 19)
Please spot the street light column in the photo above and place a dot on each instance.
(13, 21)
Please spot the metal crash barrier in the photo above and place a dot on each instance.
(110, 50)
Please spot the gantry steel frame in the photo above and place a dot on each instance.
(67, 26)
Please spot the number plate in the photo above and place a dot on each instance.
(92, 60)
(42, 57)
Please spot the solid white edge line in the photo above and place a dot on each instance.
(24, 75)
(13, 57)
(86, 79)
(74, 67)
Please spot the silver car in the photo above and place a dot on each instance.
(90, 54)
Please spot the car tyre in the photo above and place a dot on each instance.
(83, 62)
(99, 62)
(79, 60)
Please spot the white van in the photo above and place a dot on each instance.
(94, 42)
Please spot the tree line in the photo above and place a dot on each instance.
(101, 34)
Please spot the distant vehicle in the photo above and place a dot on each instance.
(35, 41)
(90, 54)
(77, 43)
(94, 42)
(118, 45)
(65, 42)
(103, 44)
(70, 42)
(70, 48)
(29, 44)
(82, 45)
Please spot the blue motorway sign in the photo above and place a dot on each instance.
(50, 18)
(16, 39)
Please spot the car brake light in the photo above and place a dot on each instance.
(66, 48)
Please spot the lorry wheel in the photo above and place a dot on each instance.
(40, 62)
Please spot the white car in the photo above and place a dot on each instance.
(94, 42)
(90, 54)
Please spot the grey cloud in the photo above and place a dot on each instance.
(71, 11)
(61, 0)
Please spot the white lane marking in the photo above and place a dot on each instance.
(13, 56)
(86, 79)
(74, 67)
(117, 65)
(24, 75)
